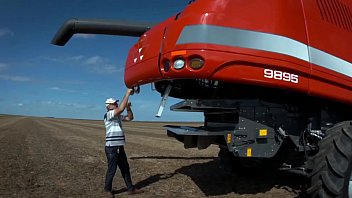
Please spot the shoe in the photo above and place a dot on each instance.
(135, 191)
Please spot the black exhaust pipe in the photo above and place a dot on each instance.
(94, 26)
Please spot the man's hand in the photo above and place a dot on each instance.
(124, 103)
(130, 91)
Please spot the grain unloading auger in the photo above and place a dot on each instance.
(273, 79)
(95, 26)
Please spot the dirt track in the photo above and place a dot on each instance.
(45, 157)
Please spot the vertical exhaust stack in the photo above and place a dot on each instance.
(95, 26)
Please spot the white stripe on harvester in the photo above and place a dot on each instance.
(263, 41)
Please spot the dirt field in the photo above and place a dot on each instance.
(46, 157)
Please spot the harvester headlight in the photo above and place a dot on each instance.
(196, 63)
(179, 63)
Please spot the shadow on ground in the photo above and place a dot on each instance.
(172, 157)
(214, 181)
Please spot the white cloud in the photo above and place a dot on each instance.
(5, 32)
(101, 65)
(105, 69)
(53, 59)
(84, 36)
(15, 78)
(94, 60)
(3, 66)
(68, 105)
(73, 82)
(55, 88)
(62, 89)
(76, 58)
(95, 64)
(3, 76)
(20, 104)
(61, 59)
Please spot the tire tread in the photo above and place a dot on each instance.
(330, 166)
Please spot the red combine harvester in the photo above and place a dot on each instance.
(273, 78)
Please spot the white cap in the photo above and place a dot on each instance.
(110, 101)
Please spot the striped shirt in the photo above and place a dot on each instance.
(114, 133)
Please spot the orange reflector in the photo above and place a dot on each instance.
(229, 138)
(263, 132)
(178, 53)
(196, 63)
(249, 152)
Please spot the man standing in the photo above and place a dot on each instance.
(115, 141)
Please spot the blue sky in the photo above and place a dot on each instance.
(41, 79)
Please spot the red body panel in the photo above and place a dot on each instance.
(142, 61)
(329, 30)
(271, 23)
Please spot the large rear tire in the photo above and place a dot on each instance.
(330, 174)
